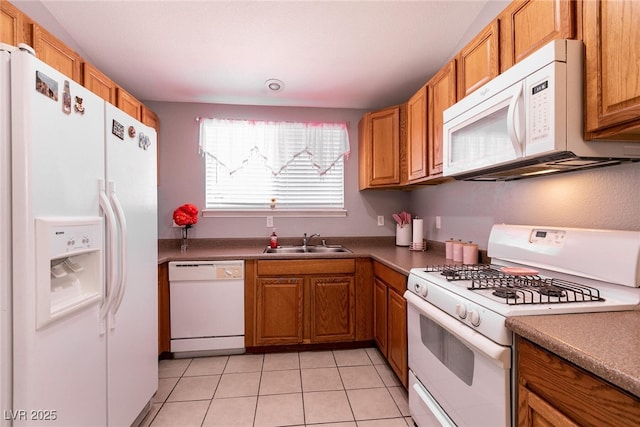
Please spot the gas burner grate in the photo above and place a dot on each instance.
(459, 272)
(517, 290)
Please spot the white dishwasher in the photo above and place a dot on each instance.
(207, 307)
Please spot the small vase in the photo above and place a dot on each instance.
(185, 239)
(403, 235)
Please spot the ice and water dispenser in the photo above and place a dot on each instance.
(69, 268)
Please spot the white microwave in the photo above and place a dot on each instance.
(527, 121)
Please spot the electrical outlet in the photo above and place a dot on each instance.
(269, 221)
(380, 220)
(438, 222)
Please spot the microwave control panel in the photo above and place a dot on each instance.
(541, 110)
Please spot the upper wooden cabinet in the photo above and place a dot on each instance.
(150, 118)
(526, 25)
(425, 123)
(479, 60)
(55, 53)
(11, 24)
(612, 92)
(382, 148)
(128, 103)
(442, 95)
(97, 82)
(417, 151)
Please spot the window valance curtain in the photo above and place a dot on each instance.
(231, 143)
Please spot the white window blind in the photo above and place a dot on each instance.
(258, 165)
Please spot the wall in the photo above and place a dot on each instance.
(181, 177)
(599, 198)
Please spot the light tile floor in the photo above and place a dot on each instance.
(338, 388)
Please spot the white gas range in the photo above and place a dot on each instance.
(461, 355)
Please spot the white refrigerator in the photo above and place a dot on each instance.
(78, 271)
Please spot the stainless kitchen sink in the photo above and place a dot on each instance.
(306, 250)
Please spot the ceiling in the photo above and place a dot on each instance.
(337, 54)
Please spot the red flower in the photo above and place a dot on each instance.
(186, 215)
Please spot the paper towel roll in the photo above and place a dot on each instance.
(417, 231)
(469, 253)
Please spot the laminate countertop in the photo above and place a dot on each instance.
(605, 344)
(382, 249)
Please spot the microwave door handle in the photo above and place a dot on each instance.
(511, 121)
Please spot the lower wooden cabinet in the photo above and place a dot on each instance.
(554, 392)
(164, 319)
(390, 318)
(279, 310)
(302, 302)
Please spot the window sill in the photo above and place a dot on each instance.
(258, 213)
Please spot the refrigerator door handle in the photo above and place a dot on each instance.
(115, 202)
(110, 255)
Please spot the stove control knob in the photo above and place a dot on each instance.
(461, 310)
(474, 318)
(421, 289)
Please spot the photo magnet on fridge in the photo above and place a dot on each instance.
(118, 129)
(46, 85)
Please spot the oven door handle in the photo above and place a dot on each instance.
(465, 333)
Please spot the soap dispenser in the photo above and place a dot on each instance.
(273, 240)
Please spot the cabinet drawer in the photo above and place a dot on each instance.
(303, 266)
(395, 280)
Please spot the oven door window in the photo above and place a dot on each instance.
(449, 350)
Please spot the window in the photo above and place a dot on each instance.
(276, 166)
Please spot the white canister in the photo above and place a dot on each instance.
(403, 235)
(457, 251)
(470, 253)
(448, 249)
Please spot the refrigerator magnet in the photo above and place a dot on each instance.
(117, 129)
(46, 85)
(79, 107)
(66, 98)
(143, 141)
(132, 132)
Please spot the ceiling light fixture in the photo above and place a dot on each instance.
(274, 85)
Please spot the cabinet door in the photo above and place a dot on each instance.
(364, 152)
(55, 53)
(150, 118)
(279, 311)
(526, 25)
(442, 95)
(164, 319)
(417, 135)
(397, 335)
(479, 61)
(128, 103)
(533, 411)
(380, 315)
(11, 22)
(332, 308)
(572, 391)
(385, 147)
(611, 37)
(97, 82)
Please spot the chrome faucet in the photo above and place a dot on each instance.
(306, 239)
